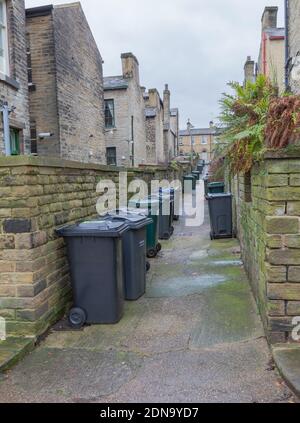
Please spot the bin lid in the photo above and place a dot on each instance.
(189, 176)
(95, 228)
(223, 195)
(216, 184)
(135, 221)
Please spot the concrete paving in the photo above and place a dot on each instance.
(195, 336)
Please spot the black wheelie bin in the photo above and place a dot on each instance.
(96, 267)
(134, 251)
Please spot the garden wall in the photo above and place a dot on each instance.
(37, 196)
(267, 217)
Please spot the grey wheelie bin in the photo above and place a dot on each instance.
(166, 210)
(220, 212)
(96, 266)
(134, 251)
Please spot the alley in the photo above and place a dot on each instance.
(195, 337)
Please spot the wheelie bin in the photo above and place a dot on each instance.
(175, 203)
(197, 174)
(216, 188)
(96, 267)
(150, 207)
(134, 251)
(166, 212)
(191, 178)
(220, 212)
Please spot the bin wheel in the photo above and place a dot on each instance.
(77, 317)
(158, 247)
(148, 266)
(211, 236)
(151, 253)
(166, 235)
(172, 230)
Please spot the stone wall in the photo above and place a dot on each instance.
(14, 87)
(268, 220)
(37, 196)
(67, 97)
(294, 41)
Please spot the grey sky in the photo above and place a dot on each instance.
(196, 46)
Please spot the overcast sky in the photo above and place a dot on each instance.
(196, 46)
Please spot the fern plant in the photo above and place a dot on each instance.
(243, 118)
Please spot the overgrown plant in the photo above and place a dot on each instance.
(244, 118)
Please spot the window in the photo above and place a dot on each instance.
(4, 64)
(111, 156)
(193, 140)
(14, 142)
(180, 141)
(33, 137)
(204, 140)
(109, 113)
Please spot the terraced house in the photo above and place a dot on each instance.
(199, 141)
(65, 84)
(125, 129)
(14, 119)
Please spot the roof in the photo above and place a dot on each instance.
(150, 112)
(115, 83)
(198, 131)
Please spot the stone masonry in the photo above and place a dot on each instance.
(128, 135)
(14, 87)
(38, 195)
(66, 95)
(294, 44)
(268, 222)
(154, 114)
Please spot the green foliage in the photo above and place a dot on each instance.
(244, 117)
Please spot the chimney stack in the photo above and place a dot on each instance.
(130, 67)
(249, 70)
(269, 18)
(167, 105)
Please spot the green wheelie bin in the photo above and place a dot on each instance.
(150, 207)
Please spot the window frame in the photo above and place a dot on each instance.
(113, 125)
(204, 140)
(16, 142)
(4, 31)
(110, 156)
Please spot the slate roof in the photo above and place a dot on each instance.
(198, 131)
(115, 83)
(276, 32)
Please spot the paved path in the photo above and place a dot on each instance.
(195, 337)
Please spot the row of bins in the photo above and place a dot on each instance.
(107, 257)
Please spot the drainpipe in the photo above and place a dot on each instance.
(287, 50)
(265, 53)
(5, 112)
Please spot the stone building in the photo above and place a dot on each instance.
(293, 45)
(199, 140)
(154, 115)
(271, 60)
(65, 85)
(162, 127)
(14, 111)
(125, 127)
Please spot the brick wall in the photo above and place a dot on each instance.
(37, 196)
(294, 39)
(14, 87)
(268, 222)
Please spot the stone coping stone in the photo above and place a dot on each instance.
(292, 152)
(287, 360)
(14, 161)
(13, 350)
